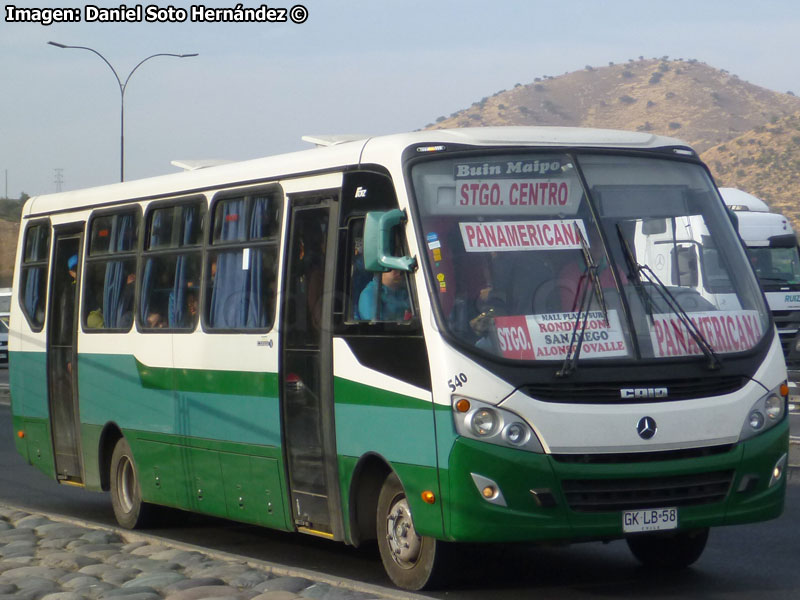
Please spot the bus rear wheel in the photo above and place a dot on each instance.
(674, 551)
(126, 494)
(413, 562)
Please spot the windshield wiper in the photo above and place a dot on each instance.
(637, 272)
(633, 274)
(590, 290)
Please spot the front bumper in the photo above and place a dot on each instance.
(568, 497)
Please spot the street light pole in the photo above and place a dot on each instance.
(122, 87)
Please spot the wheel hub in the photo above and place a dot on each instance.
(126, 481)
(403, 540)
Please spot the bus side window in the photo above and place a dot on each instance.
(171, 275)
(33, 275)
(241, 268)
(110, 273)
(377, 297)
(359, 276)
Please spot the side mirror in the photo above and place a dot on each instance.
(378, 242)
(734, 219)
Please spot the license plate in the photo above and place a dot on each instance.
(650, 519)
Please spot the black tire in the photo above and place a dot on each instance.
(126, 493)
(674, 551)
(412, 562)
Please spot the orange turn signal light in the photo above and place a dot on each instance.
(462, 405)
(784, 389)
(428, 497)
(20, 434)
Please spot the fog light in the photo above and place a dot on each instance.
(777, 470)
(488, 489)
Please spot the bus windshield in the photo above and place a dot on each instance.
(536, 255)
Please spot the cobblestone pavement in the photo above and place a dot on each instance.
(42, 558)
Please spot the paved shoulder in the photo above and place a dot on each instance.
(43, 557)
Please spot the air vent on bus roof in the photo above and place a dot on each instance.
(332, 140)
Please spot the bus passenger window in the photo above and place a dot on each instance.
(241, 268)
(171, 274)
(33, 288)
(110, 272)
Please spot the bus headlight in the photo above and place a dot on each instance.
(766, 413)
(774, 407)
(484, 422)
(480, 421)
(517, 433)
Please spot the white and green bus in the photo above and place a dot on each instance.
(420, 339)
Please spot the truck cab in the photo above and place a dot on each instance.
(773, 251)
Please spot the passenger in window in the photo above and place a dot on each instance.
(94, 302)
(191, 308)
(156, 320)
(67, 302)
(394, 304)
(94, 320)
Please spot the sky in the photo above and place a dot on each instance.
(361, 66)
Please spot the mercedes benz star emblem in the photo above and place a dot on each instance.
(646, 427)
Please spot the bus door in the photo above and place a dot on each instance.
(306, 370)
(62, 382)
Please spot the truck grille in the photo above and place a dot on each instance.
(607, 495)
(788, 322)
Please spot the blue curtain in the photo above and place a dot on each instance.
(118, 305)
(178, 315)
(237, 297)
(34, 282)
(225, 305)
(33, 289)
(154, 241)
(256, 313)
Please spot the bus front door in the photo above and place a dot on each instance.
(306, 379)
(62, 356)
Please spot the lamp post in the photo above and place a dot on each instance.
(122, 87)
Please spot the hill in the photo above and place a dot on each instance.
(748, 134)
(682, 98)
(8, 249)
(764, 162)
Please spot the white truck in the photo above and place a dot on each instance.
(772, 247)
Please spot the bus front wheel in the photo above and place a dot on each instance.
(126, 495)
(675, 551)
(413, 562)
